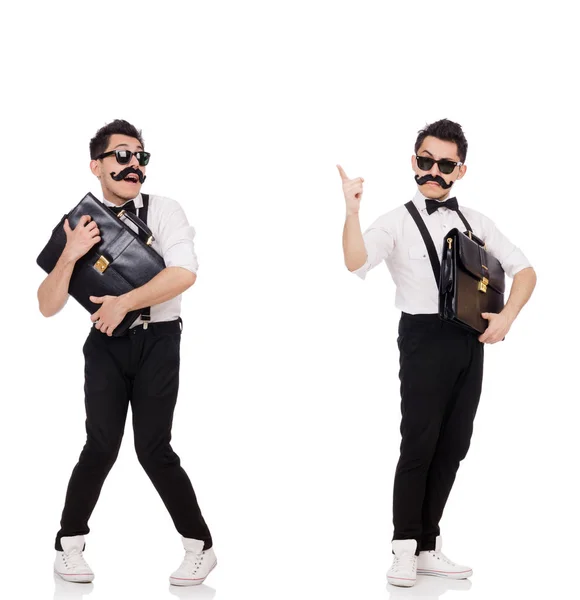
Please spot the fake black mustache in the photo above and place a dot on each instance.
(128, 171)
(437, 178)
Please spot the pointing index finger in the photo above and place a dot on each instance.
(343, 175)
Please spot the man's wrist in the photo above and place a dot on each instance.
(351, 213)
(509, 312)
(127, 301)
(67, 258)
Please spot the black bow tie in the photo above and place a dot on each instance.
(128, 206)
(433, 205)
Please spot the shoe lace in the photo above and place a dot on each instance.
(74, 558)
(406, 562)
(440, 556)
(192, 561)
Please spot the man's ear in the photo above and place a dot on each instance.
(462, 170)
(95, 168)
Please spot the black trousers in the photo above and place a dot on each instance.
(441, 371)
(141, 368)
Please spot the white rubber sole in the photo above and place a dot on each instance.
(77, 577)
(182, 582)
(401, 581)
(445, 574)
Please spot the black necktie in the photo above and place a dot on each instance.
(433, 205)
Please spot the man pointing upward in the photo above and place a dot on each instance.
(441, 364)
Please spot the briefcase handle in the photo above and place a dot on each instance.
(148, 239)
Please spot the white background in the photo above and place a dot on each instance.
(288, 415)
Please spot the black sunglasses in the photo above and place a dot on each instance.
(124, 156)
(445, 166)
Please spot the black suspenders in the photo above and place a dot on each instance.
(433, 256)
(142, 214)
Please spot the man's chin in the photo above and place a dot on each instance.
(125, 190)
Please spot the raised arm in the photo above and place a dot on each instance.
(355, 254)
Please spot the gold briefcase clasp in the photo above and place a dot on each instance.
(102, 264)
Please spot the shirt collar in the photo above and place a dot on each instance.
(419, 202)
(138, 201)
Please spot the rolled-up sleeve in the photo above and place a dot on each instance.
(176, 241)
(379, 243)
(512, 259)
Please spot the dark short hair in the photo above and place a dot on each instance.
(101, 140)
(445, 130)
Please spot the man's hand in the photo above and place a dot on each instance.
(82, 238)
(353, 190)
(112, 312)
(499, 325)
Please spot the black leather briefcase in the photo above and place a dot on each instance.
(122, 261)
(470, 280)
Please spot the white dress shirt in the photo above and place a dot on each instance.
(395, 238)
(173, 241)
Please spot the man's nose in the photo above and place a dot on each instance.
(434, 170)
(134, 162)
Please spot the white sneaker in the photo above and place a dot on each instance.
(434, 562)
(196, 566)
(403, 571)
(70, 564)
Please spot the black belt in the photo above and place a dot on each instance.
(420, 318)
(159, 327)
